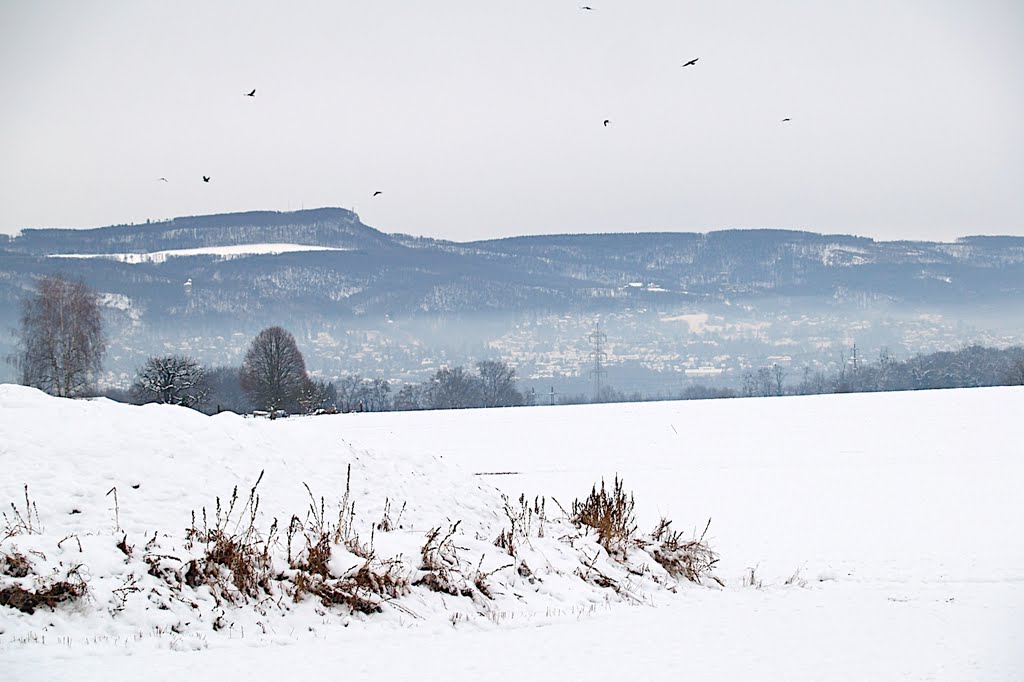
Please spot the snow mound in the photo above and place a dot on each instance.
(182, 530)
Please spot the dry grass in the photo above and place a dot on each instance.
(441, 562)
(49, 593)
(363, 589)
(125, 548)
(15, 564)
(691, 559)
(796, 579)
(522, 520)
(20, 522)
(750, 579)
(235, 553)
(480, 577)
(317, 533)
(610, 513)
(386, 523)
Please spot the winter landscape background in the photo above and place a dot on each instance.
(677, 309)
(257, 263)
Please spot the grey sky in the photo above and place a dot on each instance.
(481, 119)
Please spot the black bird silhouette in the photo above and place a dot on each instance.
(606, 122)
(251, 94)
(206, 178)
(162, 179)
(785, 119)
(588, 8)
(377, 192)
(691, 62)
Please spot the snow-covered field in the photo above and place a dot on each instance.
(884, 532)
(224, 252)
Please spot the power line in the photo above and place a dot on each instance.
(598, 337)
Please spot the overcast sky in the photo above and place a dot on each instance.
(479, 119)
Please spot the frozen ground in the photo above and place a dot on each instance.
(898, 513)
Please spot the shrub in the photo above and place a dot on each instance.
(610, 513)
(244, 553)
(690, 559)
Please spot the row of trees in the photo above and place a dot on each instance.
(273, 377)
(967, 367)
(61, 342)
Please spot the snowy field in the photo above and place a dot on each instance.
(883, 535)
(223, 252)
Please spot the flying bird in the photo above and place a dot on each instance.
(206, 178)
(785, 119)
(251, 94)
(691, 62)
(606, 122)
(161, 179)
(588, 8)
(377, 192)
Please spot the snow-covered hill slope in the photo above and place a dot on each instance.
(131, 505)
(883, 533)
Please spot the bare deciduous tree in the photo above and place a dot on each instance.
(225, 390)
(1015, 375)
(171, 379)
(778, 379)
(274, 372)
(378, 396)
(498, 384)
(351, 392)
(410, 397)
(318, 395)
(453, 388)
(60, 342)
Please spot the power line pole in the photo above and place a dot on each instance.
(598, 337)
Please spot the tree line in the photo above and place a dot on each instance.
(967, 367)
(60, 344)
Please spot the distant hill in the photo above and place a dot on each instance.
(377, 274)
(367, 275)
(334, 227)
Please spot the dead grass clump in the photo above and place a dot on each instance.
(445, 582)
(15, 564)
(49, 594)
(316, 557)
(796, 579)
(235, 553)
(21, 523)
(610, 513)
(522, 520)
(441, 563)
(344, 530)
(125, 548)
(480, 577)
(691, 559)
(386, 523)
(362, 590)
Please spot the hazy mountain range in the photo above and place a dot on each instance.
(218, 273)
